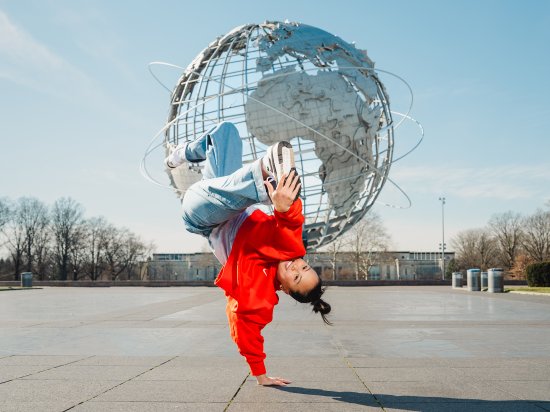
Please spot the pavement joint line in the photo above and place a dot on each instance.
(43, 370)
(364, 384)
(340, 348)
(235, 394)
(121, 383)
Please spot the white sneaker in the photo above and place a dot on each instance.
(279, 160)
(174, 158)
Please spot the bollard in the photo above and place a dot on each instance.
(26, 280)
(483, 280)
(457, 280)
(495, 281)
(473, 280)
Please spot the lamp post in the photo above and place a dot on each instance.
(442, 200)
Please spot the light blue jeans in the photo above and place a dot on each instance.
(227, 187)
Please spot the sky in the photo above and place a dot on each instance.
(78, 106)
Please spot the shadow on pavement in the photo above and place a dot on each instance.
(359, 398)
(418, 403)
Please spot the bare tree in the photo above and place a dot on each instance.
(32, 217)
(5, 268)
(67, 218)
(335, 249)
(488, 249)
(367, 241)
(15, 236)
(5, 218)
(135, 251)
(122, 251)
(78, 250)
(506, 228)
(139, 268)
(12, 238)
(475, 248)
(5, 213)
(113, 251)
(464, 244)
(536, 241)
(95, 232)
(42, 253)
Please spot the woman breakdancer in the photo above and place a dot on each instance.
(261, 253)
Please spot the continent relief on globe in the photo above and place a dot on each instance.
(336, 116)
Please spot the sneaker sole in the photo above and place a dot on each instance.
(281, 159)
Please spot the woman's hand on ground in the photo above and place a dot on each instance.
(265, 380)
(287, 189)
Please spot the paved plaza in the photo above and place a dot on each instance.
(168, 349)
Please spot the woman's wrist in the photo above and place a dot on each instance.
(268, 381)
(261, 379)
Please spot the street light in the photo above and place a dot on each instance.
(442, 200)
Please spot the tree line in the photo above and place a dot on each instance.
(509, 240)
(57, 242)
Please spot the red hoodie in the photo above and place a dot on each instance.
(249, 276)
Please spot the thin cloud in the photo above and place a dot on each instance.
(86, 39)
(26, 61)
(501, 182)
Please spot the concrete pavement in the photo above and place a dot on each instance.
(168, 349)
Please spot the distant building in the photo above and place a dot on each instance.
(181, 266)
(375, 266)
(390, 265)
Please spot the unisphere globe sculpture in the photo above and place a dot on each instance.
(290, 81)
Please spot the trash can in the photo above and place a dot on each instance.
(457, 280)
(473, 280)
(495, 281)
(26, 280)
(483, 280)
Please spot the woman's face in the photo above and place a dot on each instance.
(296, 276)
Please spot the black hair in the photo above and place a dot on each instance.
(314, 297)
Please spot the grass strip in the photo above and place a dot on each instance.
(528, 289)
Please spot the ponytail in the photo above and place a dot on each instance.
(322, 307)
(314, 297)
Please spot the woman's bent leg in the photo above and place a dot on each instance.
(220, 147)
(211, 202)
(227, 188)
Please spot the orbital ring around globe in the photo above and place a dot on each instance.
(289, 81)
